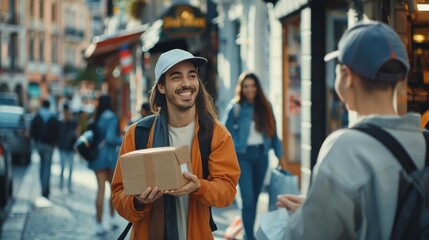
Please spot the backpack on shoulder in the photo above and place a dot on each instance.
(412, 211)
(50, 131)
(141, 137)
(85, 145)
(46, 132)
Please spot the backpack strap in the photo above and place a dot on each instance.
(205, 149)
(142, 130)
(390, 143)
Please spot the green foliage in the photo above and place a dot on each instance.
(88, 74)
(134, 8)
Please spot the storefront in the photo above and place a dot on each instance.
(118, 69)
(304, 98)
(418, 80)
(313, 108)
(184, 27)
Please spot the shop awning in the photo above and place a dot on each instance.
(178, 22)
(153, 35)
(108, 43)
(284, 8)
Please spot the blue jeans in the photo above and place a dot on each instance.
(253, 166)
(45, 153)
(66, 157)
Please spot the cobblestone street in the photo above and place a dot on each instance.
(72, 215)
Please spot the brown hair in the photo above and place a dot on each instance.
(390, 67)
(203, 103)
(264, 120)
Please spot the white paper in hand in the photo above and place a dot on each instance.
(272, 225)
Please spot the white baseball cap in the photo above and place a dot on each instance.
(168, 59)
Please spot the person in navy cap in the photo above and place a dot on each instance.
(354, 190)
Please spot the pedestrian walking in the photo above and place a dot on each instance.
(183, 108)
(108, 139)
(44, 130)
(144, 112)
(250, 120)
(67, 137)
(354, 190)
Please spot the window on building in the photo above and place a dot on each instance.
(54, 12)
(31, 10)
(68, 56)
(1, 52)
(42, 50)
(6, 47)
(13, 50)
(337, 116)
(293, 93)
(54, 51)
(31, 48)
(41, 6)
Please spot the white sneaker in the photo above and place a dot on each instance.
(99, 229)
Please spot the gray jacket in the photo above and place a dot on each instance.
(355, 182)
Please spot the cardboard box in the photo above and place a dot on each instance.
(161, 167)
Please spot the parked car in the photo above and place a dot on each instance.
(8, 98)
(15, 131)
(6, 185)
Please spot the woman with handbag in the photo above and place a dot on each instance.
(108, 140)
(250, 120)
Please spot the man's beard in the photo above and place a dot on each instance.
(182, 107)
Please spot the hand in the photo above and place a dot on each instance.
(192, 186)
(149, 195)
(290, 202)
(281, 162)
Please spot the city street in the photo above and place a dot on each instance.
(72, 215)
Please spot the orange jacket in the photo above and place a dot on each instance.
(217, 191)
(425, 119)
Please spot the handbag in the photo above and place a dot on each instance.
(273, 225)
(281, 182)
(84, 145)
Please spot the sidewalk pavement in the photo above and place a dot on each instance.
(72, 215)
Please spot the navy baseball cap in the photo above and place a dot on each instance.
(168, 59)
(367, 46)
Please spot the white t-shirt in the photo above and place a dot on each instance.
(255, 137)
(179, 137)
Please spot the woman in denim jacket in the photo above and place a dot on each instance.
(108, 140)
(250, 119)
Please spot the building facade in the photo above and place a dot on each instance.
(77, 34)
(40, 39)
(12, 49)
(43, 37)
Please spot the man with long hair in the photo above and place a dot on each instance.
(182, 107)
